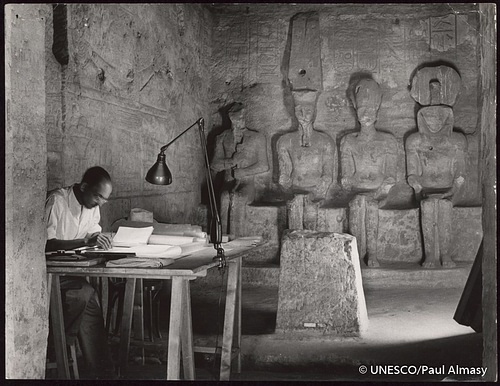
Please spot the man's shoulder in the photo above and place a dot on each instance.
(59, 194)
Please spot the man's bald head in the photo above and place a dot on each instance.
(95, 187)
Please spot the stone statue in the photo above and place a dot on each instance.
(306, 161)
(435, 161)
(368, 168)
(241, 154)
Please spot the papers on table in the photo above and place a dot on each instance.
(151, 251)
(134, 262)
(144, 244)
(127, 237)
(174, 240)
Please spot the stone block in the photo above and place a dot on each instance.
(332, 220)
(320, 286)
(399, 237)
(467, 232)
(266, 221)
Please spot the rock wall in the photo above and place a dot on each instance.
(26, 300)
(137, 75)
(390, 42)
(488, 77)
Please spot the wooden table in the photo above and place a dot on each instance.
(180, 335)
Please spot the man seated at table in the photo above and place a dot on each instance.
(72, 216)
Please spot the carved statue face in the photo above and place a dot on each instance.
(238, 124)
(366, 98)
(305, 108)
(435, 119)
(367, 115)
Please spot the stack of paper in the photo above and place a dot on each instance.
(126, 237)
(136, 240)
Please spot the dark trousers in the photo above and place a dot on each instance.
(83, 320)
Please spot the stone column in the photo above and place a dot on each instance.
(26, 300)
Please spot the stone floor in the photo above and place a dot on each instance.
(408, 326)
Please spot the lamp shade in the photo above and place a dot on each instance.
(159, 174)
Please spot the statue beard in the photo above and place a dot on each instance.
(307, 129)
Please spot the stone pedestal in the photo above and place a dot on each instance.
(467, 233)
(332, 220)
(266, 221)
(320, 286)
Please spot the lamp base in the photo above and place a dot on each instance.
(220, 258)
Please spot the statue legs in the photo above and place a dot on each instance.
(295, 212)
(363, 224)
(242, 195)
(436, 229)
(225, 203)
(302, 213)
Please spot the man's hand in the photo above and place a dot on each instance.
(100, 240)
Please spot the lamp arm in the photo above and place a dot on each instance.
(163, 148)
(211, 193)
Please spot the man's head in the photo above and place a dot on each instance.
(237, 116)
(96, 187)
(366, 98)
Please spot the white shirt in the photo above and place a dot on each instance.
(68, 220)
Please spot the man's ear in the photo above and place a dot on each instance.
(83, 186)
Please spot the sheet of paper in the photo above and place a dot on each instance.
(170, 240)
(153, 251)
(134, 262)
(126, 236)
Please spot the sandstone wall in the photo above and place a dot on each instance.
(488, 178)
(137, 75)
(26, 300)
(388, 41)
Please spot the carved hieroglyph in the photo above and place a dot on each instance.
(241, 154)
(368, 168)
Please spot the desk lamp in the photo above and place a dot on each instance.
(159, 174)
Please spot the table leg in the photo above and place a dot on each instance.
(56, 314)
(173, 359)
(126, 326)
(139, 316)
(238, 318)
(227, 338)
(187, 334)
(104, 296)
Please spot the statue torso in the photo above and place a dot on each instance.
(368, 157)
(307, 161)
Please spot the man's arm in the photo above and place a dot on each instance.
(53, 213)
(57, 245)
(96, 239)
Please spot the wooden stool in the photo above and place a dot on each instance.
(72, 362)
